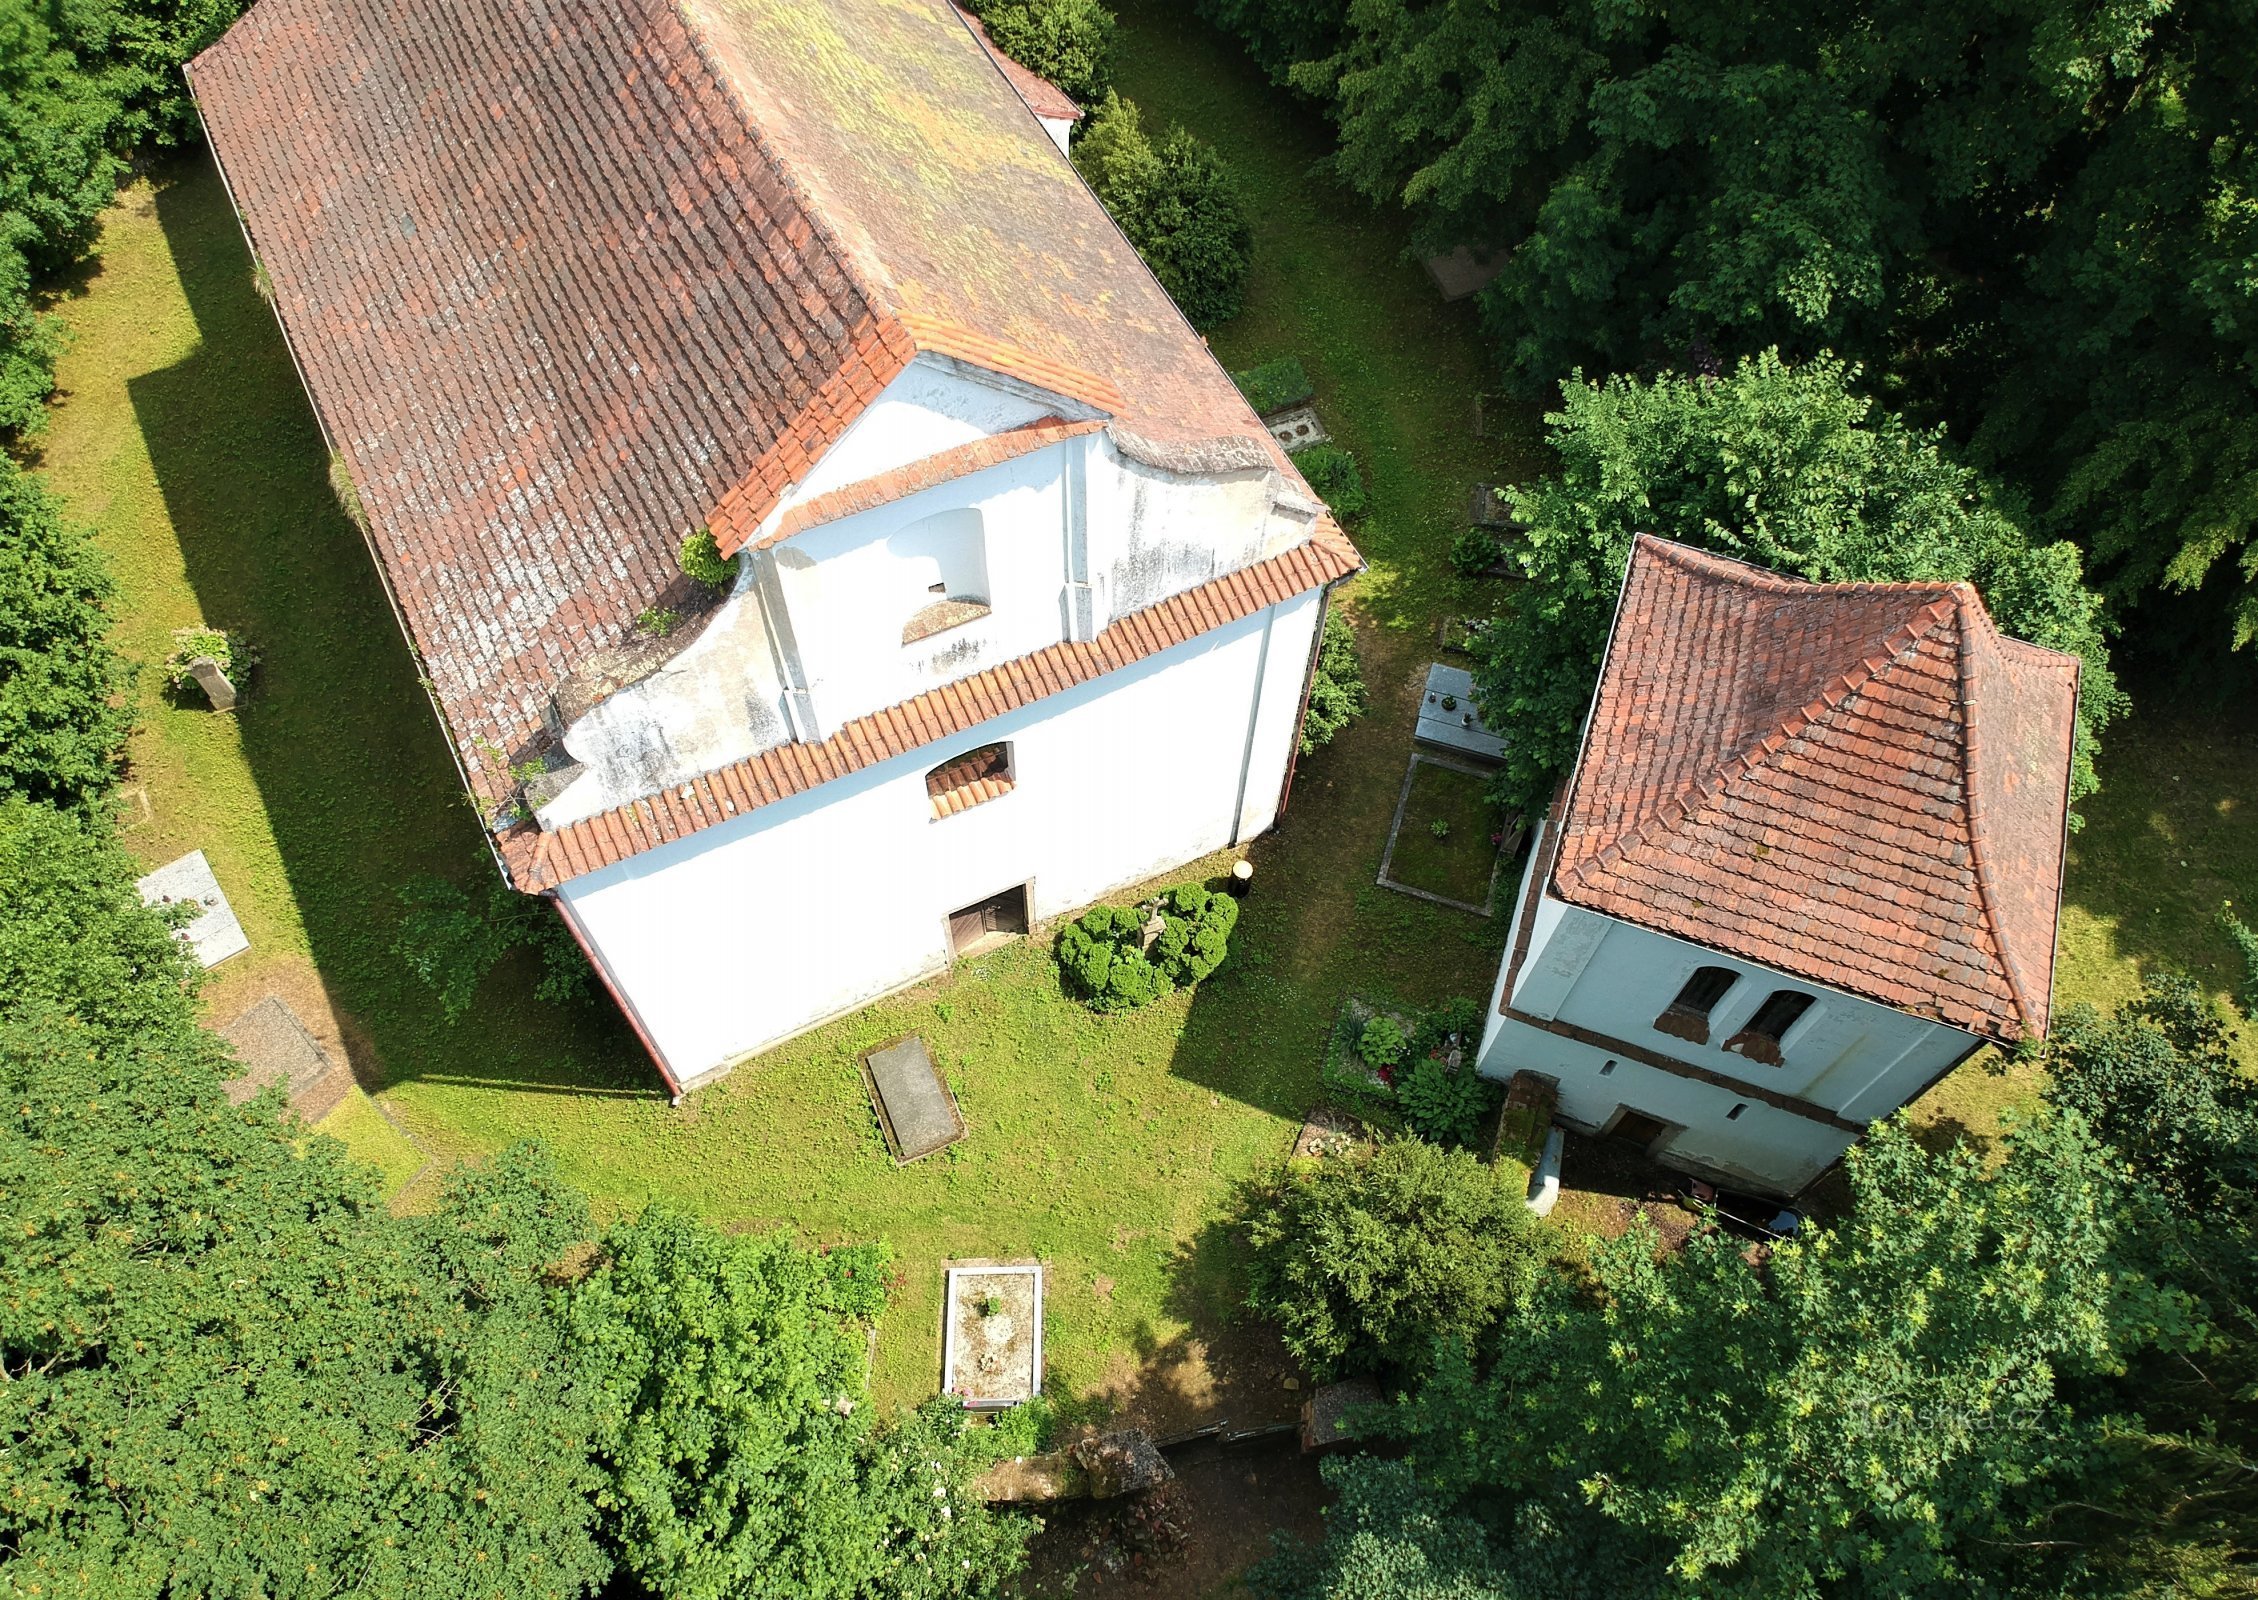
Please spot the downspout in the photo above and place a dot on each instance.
(626, 1006)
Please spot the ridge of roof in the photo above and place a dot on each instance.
(1903, 828)
(1043, 97)
(539, 860)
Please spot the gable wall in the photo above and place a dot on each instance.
(747, 932)
(1610, 981)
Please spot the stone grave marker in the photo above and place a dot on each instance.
(214, 933)
(275, 1047)
(914, 1106)
(213, 682)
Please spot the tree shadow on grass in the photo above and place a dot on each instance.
(344, 752)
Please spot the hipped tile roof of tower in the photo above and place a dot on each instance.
(1863, 785)
(567, 281)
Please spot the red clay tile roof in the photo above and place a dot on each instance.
(539, 861)
(1043, 97)
(1864, 785)
(564, 278)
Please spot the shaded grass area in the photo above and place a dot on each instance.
(1459, 861)
(1110, 1147)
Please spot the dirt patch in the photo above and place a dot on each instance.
(1183, 1541)
(236, 986)
(1605, 1185)
(1240, 1375)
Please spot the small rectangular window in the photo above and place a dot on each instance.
(1687, 1017)
(1734, 1115)
(1760, 1040)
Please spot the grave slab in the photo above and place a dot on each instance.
(1463, 272)
(914, 1106)
(992, 1338)
(275, 1047)
(1458, 727)
(214, 934)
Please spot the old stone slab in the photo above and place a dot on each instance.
(1449, 719)
(275, 1047)
(914, 1106)
(1296, 428)
(992, 1341)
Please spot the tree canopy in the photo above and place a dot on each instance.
(1782, 464)
(2032, 219)
(1176, 202)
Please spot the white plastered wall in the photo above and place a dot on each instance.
(1848, 1056)
(744, 934)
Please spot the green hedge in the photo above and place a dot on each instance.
(1274, 385)
(1103, 962)
(1332, 472)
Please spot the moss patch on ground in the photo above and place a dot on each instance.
(1459, 862)
(359, 1124)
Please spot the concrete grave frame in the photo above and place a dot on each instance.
(1403, 804)
(957, 1274)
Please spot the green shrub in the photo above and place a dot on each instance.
(1363, 1264)
(1381, 1044)
(1103, 962)
(234, 657)
(63, 710)
(450, 943)
(1069, 42)
(1333, 474)
(1443, 1103)
(1475, 551)
(1176, 203)
(1453, 1024)
(1336, 688)
(1275, 385)
(2246, 941)
(702, 561)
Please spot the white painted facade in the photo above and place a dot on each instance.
(738, 936)
(1852, 1059)
(1059, 543)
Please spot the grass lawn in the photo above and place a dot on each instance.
(1459, 861)
(1108, 1146)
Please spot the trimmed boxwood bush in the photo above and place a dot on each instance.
(1275, 385)
(1103, 962)
(1332, 472)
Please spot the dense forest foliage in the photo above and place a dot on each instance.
(2031, 221)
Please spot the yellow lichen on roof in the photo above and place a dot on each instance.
(951, 200)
